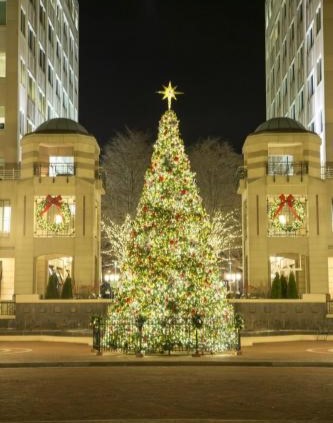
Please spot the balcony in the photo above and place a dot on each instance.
(9, 172)
(287, 168)
(53, 170)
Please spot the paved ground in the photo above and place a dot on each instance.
(61, 382)
(298, 353)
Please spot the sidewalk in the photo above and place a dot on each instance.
(65, 354)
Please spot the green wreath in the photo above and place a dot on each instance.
(44, 224)
(298, 210)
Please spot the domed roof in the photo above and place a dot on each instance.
(61, 126)
(280, 124)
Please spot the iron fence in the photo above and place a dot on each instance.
(163, 336)
(7, 308)
(329, 307)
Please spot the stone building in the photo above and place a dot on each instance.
(50, 212)
(287, 207)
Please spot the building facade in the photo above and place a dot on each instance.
(299, 71)
(50, 212)
(39, 68)
(287, 207)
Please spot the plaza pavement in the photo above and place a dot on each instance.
(24, 352)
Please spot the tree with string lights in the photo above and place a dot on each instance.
(170, 270)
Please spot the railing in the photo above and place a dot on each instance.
(7, 308)
(158, 336)
(287, 168)
(9, 172)
(329, 307)
(327, 171)
(53, 170)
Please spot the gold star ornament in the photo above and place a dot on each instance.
(169, 93)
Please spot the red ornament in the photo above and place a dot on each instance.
(161, 178)
(176, 158)
(183, 191)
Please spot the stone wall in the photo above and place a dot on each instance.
(283, 315)
(259, 315)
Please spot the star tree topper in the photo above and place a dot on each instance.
(169, 93)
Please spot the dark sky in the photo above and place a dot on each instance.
(213, 50)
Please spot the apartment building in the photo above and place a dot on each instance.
(39, 65)
(299, 71)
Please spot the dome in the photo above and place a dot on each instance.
(280, 124)
(61, 126)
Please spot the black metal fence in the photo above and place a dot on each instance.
(163, 336)
(7, 308)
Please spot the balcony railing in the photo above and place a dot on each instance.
(9, 172)
(7, 308)
(53, 170)
(287, 168)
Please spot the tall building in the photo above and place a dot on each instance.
(299, 71)
(39, 65)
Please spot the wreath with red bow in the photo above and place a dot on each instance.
(42, 209)
(295, 207)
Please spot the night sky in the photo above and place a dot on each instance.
(212, 50)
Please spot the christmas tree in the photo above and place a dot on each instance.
(170, 272)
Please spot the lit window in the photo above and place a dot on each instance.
(280, 165)
(5, 214)
(2, 64)
(61, 165)
(2, 117)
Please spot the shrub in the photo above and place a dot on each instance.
(284, 286)
(67, 290)
(292, 287)
(276, 286)
(52, 288)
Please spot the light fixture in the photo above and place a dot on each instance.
(58, 219)
(282, 219)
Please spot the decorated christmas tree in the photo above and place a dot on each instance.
(170, 273)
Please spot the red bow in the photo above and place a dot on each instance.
(56, 201)
(290, 200)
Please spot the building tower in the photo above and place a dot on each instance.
(299, 74)
(39, 66)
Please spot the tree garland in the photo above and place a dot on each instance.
(43, 207)
(296, 208)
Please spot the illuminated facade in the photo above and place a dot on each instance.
(50, 212)
(299, 74)
(39, 67)
(287, 208)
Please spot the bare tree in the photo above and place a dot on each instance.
(125, 160)
(215, 163)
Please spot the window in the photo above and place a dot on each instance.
(50, 74)
(65, 64)
(41, 102)
(31, 40)
(3, 17)
(55, 220)
(5, 215)
(61, 165)
(301, 101)
(57, 88)
(280, 165)
(319, 71)
(293, 111)
(310, 87)
(65, 26)
(50, 34)
(22, 73)
(42, 59)
(318, 20)
(2, 117)
(2, 64)
(310, 39)
(22, 132)
(23, 22)
(31, 87)
(58, 50)
(42, 15)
